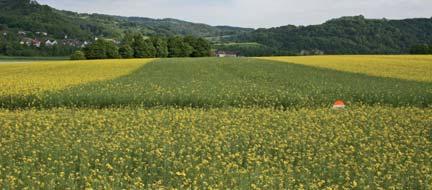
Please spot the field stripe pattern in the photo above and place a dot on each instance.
(209, 123)
(230, 82)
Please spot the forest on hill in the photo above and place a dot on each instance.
(346, 35)
(30, 29)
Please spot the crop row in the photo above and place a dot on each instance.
(126, 148)
(211, 82)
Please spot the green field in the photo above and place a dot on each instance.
(231, 123)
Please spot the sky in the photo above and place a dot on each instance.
(251, 13)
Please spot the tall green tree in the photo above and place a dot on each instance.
(96, 50)
(201, 47)
(177, 47)
(101, 49)
(420, 49)
(128, 38)
(143, 48)
(138, 46)
(126, 51)
(2, 46)
(78, 55)
(161, 46)
(112, 50)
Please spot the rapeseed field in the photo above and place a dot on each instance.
(408, 67)
(208, 123)
(203, 82)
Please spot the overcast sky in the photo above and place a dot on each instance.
(251, 13)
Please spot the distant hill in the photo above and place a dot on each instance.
(28, 15)
(346, 35)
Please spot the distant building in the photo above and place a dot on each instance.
(51, 43)
(22, 33)
(113, 41)
(71, 42)
(42, 33)
(36, 43)
(312, 52)
(85, 43)
(226, 54)
(26, 41)
(31, 42)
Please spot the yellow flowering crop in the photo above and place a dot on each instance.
(30, 78)
(409, 67)
(229, 148)
(210, 123)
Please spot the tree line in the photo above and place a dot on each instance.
(139, 46)
(421, 49)
(346, 35)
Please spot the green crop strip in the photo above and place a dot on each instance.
(210, 82)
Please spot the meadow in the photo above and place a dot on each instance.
(209, 123)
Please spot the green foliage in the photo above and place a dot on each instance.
(250, 49)
(138, 46)
(10, 45)
(2, 46)
(78, 55)
(347, 35)
(23, 15)
(421, 49)
(201, 47)
(126, 51)
(143, 48)
(128, 38)
(102, 49)
(161, 46)
(112, 51)
(177, 47)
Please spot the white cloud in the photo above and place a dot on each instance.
(251, 13)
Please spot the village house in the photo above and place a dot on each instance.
(42, 33)
(22, 33)
(36, 43)
(51, 43)
(26, 41)
(71, 42)
(85, 43)
(113, 41)
(226, 54)
(31, 42)
(312, 52)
